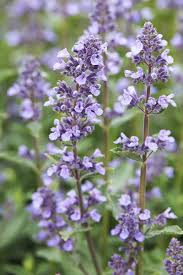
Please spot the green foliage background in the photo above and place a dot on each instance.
(20, 254)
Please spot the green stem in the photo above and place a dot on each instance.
(143, 171)
(82, 211)
(105, 225)
(83, 270)
(37, 159)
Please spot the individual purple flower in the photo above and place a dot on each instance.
(174, 258)
(162, 218)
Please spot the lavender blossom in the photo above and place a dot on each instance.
(31, 88)
(45, 210)
(151, 144)
(56, 214)
(149, 50)
(77, 104)
(174, 261)
(129, 231)
(169, 4)
(120, 266)
(129, 220)
(177, 40)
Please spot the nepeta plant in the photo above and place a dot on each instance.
(31, 89)
(79, 111)
(148, 52)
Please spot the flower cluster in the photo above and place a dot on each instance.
(130, 98)
(27, 26)
(169, 4)
(30, 33)
(151, 144)
(174, 261)
(120, 266)
(56, 214)
(79, 110)
(148, 49)
(68, 164)
(78, 106)
(45, 209)
(31, 88)
(125, 10)
(102, 18)
(103, 23)
(177, 40)
(130, 231)
(92, 197)
(128, 228)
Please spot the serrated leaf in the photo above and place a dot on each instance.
(126, 154)
(168, 230)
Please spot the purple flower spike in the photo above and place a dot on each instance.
(32, 88)
(174, 261)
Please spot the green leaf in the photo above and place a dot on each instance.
(51, 158)
(19, 161)
(15, 227)
(3, 116)
(5, 74)
(35, 128)
(168, 230)
(50, 254)
(65, 260)
(68, 234)
(14, 270)
(131, 155)
(124, 118)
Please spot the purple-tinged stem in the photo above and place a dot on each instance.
(82, 211)
(143, 171)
